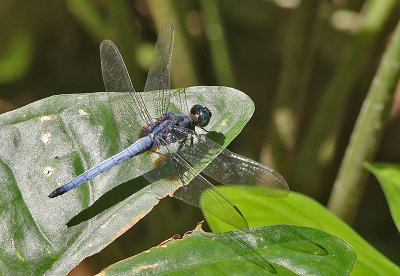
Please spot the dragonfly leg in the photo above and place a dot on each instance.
(191, 143)
(204, 129)
(198, 136)
(182, 144)
(179, 174)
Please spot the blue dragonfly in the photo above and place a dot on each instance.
(173, 137)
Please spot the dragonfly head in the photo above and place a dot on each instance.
(202, 113)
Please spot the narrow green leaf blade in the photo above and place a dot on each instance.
(47, 143)
(298, 209)
(389, 178)
(204, 253)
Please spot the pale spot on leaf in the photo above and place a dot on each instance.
(152, 266)
(83, 112)
(47, 118)
(46, 138)
(48, 171)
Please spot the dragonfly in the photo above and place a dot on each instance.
(174, 138)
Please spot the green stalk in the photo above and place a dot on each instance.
(297, 52)
(305, 174)
(183, 72)
(365, 139)
(216, 39)
(121, 22)
(89, 16)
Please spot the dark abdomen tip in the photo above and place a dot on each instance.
(56, 192)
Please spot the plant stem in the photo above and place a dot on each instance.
(89, 16)
(365, 139)
(305, 174)
(218, 46)
(183, 73)
(121, 22)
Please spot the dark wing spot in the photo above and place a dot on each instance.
(144, 132)
(169, 173)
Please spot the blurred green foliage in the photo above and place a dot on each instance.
(284, 54)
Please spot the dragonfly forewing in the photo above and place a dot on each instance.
(158, 77)
(116, 79)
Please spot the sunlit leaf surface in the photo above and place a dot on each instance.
(47, 143)
(204, 253)
(298, 209)
(389, 178)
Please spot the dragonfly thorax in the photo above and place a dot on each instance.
(162, 126)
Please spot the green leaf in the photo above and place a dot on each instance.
(279, 249)
(298, 209)
(47, 143)
(389, 178)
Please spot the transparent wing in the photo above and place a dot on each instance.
(191, 187)
(116, 79)
(158, 77)
(159, 73)
(230, 168)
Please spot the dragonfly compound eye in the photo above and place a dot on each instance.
(204, 116)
